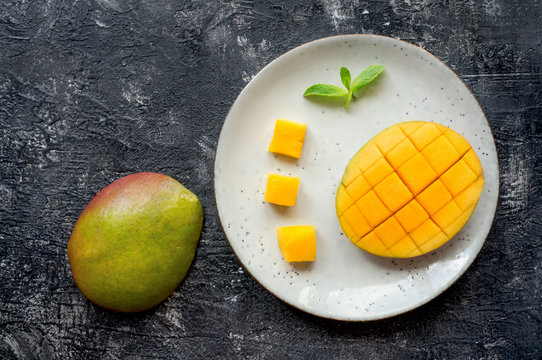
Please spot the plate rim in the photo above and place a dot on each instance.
(417, 304)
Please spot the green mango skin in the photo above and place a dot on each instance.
(135, 241)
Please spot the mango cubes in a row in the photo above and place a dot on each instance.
(288, 139)
(296, 243)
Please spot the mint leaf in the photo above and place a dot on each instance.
(366, 77)
(345, 77)
(331, 91)
(326, 90)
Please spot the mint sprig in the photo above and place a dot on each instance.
(366, 77)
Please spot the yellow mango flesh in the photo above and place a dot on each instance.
(409, 190)
(288, 138)
(297, 243)
(281, 189)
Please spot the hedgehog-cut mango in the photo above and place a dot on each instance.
(409, 190)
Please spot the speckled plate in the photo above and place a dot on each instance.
(344, 282)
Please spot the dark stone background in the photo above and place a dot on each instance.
(92, 90)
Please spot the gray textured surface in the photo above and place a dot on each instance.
(92, 90)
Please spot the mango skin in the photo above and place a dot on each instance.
(135, 241)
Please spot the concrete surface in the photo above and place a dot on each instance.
(91, 90)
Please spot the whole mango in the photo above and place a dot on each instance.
(135, 241)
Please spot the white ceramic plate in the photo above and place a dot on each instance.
(344, 282)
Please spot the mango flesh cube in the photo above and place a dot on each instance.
(409, 190)
(458, 177)
(411, 215)
(349, 232)
(434, 197)
(467, 198)
(344, 201)
(447, 214)
(424, 135)
(388, 141)
(288, 138)
(297, 243)
(401, 153)
(389, 232)
(372, 244)
(373, 209)
(393, 192)
(473, 162)
(359, 187)
(378, 172)
(369, 157)
(458, 223)
(356, 221)
(417, 173)
(410, 126)
(434, 243)
(460, 144)
(352, 176)
(403, 247)
(281, 189)
(425, 232)
(441, 154)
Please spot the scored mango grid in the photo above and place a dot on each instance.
(406, 233)
(430, 216)
(451, 197)
(440, 128)
(387, 161)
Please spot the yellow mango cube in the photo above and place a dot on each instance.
(359, 187)
(376, 173)
(281, 189)
(393, 192)
(372, 208)
(369, 157)
(411, 215)
(372, 244)
(297, 243)
(424, 135)
(389, 232)
(401, 153)
(359, 224)
(288, 138)
(434, 197)
(417, 173)
(409, 190)
(404, 247)
(441, 154)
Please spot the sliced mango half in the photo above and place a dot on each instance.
(409, 190)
